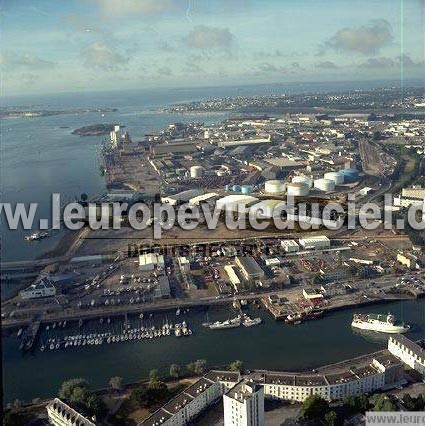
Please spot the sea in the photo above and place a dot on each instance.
(40, 156)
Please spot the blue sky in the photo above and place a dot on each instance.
(66, 45)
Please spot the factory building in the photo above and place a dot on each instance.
(410, 196)
(250, 269)
(290, 246)
(162, 290)
(409, 260)
(315, 243)
(265, 209)
(204, 198)
(244, 405)
(253, 141)
(409, 352)
(148, 261)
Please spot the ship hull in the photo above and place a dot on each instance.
(380, 328)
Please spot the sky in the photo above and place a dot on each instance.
(50, 46)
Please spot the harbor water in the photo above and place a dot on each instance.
(270, 345)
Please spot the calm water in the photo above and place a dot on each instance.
(272, 345)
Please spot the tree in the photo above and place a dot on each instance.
(236, 366)
(175, 370)
(79, 396)
(356, 404)
(330, 418)
(197, 367)
(116, 383)
(383, 403)
(68, 386)
(314, 407)
(95, 405)
(154, 376)
(12, 418)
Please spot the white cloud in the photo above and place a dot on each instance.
(114, 8)
(367, 39)
(10, 61)
(103, 56)
(206, 37)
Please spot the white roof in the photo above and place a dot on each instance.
(266, 208)
(289, 243)
(314, 239)
(204, 197)
(149, 258)
(232, 202)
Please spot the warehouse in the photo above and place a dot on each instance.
(236, 203)
(234, 279)
(265, 209)
(290, 246)
(204, 198)
(250, 269)
(315, 243)
(147, 262)
(182, 197)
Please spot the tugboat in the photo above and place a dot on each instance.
(35, 236)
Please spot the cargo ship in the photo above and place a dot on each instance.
(230, 323)
(379, 323)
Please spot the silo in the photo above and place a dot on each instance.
(274, 186)
(337, 177)
(325, 185)
(350, 175)
(236, 188)
(246, 189)
(196, 172)
(227, 188)
(306, 180)
(297, 188)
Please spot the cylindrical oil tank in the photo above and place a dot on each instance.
(350, 175)
(297, 188)
(324, 185)
(236, 188)
(274, 186)
(246, 189)
(337, 177)
(306, 180)
(196, 172)
(227, 188)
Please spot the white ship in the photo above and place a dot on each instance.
(250, 322)
(231, 323)
(379, 322)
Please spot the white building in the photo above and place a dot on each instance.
(148, 261)
(289, 245)
(315, 243)
(184, 263)
(383, 372)
(244, 405)
(408, 351)
(192, 401)
(410, 196)
(61, 414)
(233, 277)
(238, 203)
(44, 288)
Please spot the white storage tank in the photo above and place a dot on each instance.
(306, 180)
(297, 188)
(325, 185)
(196, 172)
(274, 186)
(337, 177)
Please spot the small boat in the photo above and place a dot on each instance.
(178, 312)
(19, 332)
(35, 236)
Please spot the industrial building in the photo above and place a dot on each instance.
(233, 277)
(204, 198)
(249, 267)
(182, 197)
(236, 203)
(148, 262)
(290, 246)
(315, 243)
(244, 405)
